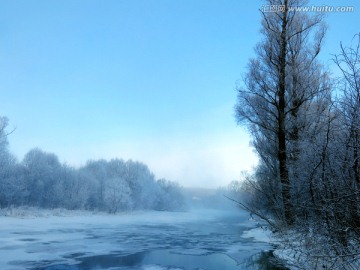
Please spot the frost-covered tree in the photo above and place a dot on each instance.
(98, 170)
(129, 185)
(41, 180)
(117, 195)
(12, 187)
(281, 83)
(78, 189)
(43, 174)
(170, 196)
(348, 62)
(142, 184)
(342, 202)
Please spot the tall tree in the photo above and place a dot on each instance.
(281, 82)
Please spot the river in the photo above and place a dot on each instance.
(201, 239)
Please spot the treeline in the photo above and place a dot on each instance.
(40, 180)
(305, 127)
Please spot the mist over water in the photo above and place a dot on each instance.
(197, 239)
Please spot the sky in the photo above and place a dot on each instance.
(147, 80)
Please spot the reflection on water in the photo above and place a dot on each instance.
(170, 260)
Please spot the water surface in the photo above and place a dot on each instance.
(210, 240)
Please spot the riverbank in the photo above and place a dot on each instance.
(296, 251)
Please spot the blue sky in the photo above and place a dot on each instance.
(149, 80)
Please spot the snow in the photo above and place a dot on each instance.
(310, 252)
(261, 234)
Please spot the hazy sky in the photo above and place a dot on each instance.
(150, 80)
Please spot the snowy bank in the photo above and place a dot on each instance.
(298, 252)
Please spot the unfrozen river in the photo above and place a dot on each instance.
(202, 239)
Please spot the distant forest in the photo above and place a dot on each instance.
(40, 180)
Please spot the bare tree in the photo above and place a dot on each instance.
(280, 84)
(348, 61)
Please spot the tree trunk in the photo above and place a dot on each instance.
(282, 155)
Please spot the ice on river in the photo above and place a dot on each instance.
(201, 239)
